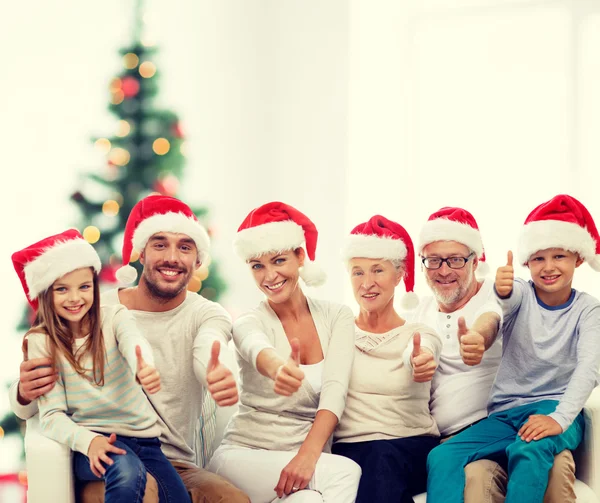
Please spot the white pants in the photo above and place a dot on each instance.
(257, 472)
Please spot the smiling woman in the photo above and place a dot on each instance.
(295, 355)
(394, 363)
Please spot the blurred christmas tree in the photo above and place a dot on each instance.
(145, 155)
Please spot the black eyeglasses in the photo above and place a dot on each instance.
(453, 262)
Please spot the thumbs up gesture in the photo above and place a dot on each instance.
(422, 361)
(505, 277)
(289, 376)
(221, 383)
(472, 344)
(148, 376)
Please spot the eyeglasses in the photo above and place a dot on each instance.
(453, 262)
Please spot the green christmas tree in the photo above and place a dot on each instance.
(145, 155)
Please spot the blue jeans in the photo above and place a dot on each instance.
(125, 479)
(392, 470)
(496, 438)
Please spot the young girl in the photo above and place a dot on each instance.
(96, 406)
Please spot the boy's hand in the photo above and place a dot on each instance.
(148, 376)
(98, 453)
(221, 383)
(422, 361)
(472, 344)
(505, 277)
(539, 426)
(289, 376)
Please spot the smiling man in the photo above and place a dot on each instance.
(451, 252)
(185, 330)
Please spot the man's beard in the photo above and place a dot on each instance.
(167, 294)
(454, 296)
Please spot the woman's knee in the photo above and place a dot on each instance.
(344, 467)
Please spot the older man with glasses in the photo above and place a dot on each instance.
(466, 316)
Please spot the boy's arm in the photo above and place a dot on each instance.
(508, 290)
(54, 421)
(585, 376)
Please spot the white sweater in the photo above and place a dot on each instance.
(181, 340)
(383, 401)
(76, 406)
(459, 393)
(266, 420)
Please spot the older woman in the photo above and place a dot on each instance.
(387, 427)
(295, 355)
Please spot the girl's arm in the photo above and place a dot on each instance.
(54, 421)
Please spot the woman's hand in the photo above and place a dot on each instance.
(297, 474)
(288, 377)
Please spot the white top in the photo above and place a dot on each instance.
(76, 406)
(459, 392)
(313, 374)
(181, 340)
(266, 420)
(383, 401)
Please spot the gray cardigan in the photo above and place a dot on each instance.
(266, 420)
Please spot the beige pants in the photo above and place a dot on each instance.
(202, 485)
(486, 481)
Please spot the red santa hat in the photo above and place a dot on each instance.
(155, 214)
(380, 238)
(278, 227)
(562, 222)
(42, 263)
(454, 224)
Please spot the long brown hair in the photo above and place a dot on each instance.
(60, 338)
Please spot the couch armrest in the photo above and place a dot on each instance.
(49, 467)
(587, 456)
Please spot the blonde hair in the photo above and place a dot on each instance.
(60, 337)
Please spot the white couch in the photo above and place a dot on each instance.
(50, 475)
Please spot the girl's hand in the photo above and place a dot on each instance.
(297, 474)
(288, 377)
(539, 426)
(148, 376)
(97, 453)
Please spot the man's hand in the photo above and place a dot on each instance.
(539, 426)
(505, 277)
(221, 383)
(472, 344)
(289, 376)
(422, 361)
(148, 376)
(36, 377)
(98, 453)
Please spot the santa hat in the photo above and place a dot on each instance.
(380, 238)
(562, 222)
(155, 214)
(277, 227)
(42, 263)
(454, 224)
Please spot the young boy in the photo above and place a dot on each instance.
(550, 360)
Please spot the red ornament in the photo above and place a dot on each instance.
(130, 87)
(176, 130)
(108, 274)
(167, 185)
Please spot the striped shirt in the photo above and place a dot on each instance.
(76, 409)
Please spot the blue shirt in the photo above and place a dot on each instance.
(549, 352)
